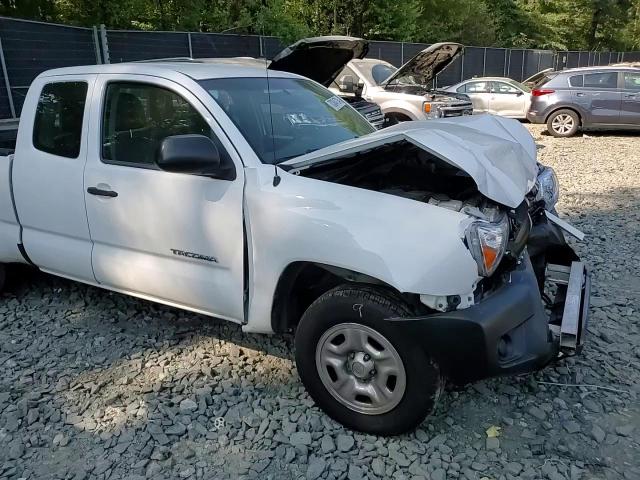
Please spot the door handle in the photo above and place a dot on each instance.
(630, 95)
(101, 193)
(579, 94)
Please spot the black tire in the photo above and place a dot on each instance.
(395, 118)
(562, 130)
(423, 380)
(3, 276)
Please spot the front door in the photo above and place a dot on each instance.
(507, 100)
(630, 112)
(170, 237)
(48, 175)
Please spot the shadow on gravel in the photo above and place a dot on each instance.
(599, 134)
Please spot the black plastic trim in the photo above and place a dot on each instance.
(465, 343)
(24, 254)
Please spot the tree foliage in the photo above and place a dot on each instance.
(559, 24)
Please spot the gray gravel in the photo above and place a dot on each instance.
(99, 385)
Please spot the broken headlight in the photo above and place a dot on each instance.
(548, 187)
(487, 243)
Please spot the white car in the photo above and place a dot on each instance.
(498, 95)
(399, 257)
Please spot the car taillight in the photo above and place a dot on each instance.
(538, 92)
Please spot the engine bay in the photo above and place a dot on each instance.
(404, 170)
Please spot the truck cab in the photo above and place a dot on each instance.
(398, 257)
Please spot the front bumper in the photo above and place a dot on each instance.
(509, 331)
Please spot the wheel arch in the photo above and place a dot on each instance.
(572, 108)
(302, 282)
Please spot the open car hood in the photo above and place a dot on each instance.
(319, 58)
(498, 153)
(425, 65)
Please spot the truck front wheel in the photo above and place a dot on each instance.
(359, 367)
(3, 276)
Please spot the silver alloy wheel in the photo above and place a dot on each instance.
(562, 123)
(360, 368)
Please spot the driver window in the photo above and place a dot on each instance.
(345, 71)
(138, 117)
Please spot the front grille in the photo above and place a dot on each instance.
(376, 118)
(457, 110)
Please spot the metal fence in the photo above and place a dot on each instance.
(27, 48)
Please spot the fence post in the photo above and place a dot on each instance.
(6, 82)
(105, 43)
(190, 47)
(401, 53)
(522, 69)
(504, 67)
(96, 45)
(261, 48)
(484, 62)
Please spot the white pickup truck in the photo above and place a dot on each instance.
(400, 258)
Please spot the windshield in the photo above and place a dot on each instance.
(375, 73)
(303, 116)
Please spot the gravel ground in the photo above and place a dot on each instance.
(99, 385)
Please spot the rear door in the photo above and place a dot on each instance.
(48, 183)
(507, 100)
(479, 92)
(171, 237)
(601, 97)
(630, 112)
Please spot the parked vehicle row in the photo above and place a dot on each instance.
(400, 258)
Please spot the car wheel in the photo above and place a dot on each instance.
(359, 367)
(563, 123)
(395, 118)
(3, 276)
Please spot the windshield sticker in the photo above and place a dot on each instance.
(335, 102)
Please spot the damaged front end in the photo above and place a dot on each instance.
(528, 303)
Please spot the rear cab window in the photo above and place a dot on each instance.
(57, 127)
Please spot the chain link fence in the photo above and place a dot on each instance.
(28, 48)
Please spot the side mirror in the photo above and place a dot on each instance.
(193, 154)
(519, 93)
(347, 84)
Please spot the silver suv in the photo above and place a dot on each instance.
(590, 98)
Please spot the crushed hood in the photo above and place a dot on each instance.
(425, 65)
(498, 153)
(319, 58)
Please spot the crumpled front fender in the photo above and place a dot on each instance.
(414, 247)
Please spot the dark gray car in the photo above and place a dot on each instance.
(596, 98)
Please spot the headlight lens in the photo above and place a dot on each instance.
(548, 187)
(487, 243)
